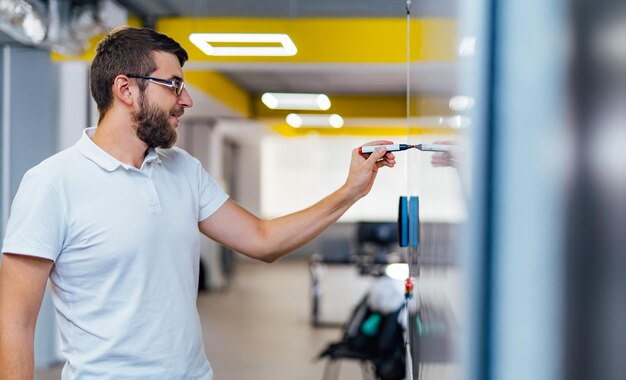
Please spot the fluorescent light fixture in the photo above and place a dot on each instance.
(34, 27)
(287, 101)
(203, 42)
(23, 21)
(313, 120)
(461, 103)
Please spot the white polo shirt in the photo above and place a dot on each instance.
(125, 242)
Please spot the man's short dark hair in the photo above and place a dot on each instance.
(127, 50)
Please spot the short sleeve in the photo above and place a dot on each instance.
(37, 225)
(212, 197)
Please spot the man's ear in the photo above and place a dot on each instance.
(123, 90)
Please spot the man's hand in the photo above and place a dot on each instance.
(364, 167)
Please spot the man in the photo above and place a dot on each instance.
(113, 223)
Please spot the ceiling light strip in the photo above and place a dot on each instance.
(314, 120)
(203, 42)
(294, 101)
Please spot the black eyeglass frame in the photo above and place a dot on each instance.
(178, 85)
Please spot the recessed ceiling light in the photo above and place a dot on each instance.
(314, 120)
(294, 120)
(287, 101)
(335, 121)
(206, 42)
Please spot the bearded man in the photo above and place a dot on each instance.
(113, 223)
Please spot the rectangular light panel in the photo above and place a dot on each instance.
(294, 101)
(204, 40)
(298, 120)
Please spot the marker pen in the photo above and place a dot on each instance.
(398, 147)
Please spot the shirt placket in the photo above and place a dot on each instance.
(148, 186)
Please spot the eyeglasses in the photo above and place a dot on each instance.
(176, 84)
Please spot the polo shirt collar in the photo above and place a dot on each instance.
(109, 163)
(152, 156)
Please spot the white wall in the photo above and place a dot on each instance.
(30, 113)
(74, 102)
(279, 175)
(296, 172)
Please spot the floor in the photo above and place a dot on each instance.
(259, 326)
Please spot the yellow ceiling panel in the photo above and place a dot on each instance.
(221, 88)
(363, 106)
(346, 40)
(373, 130)
(320, 40)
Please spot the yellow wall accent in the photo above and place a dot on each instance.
(319, 40)
(284, 129)
(433, 40)
(362, 106)
(346, 106)
(221, 88)
(348, 40)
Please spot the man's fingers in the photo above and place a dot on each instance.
(371, 143)
(390, 156)
(377, 154)
(382, 163)
(385, 162)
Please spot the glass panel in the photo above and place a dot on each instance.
(437, 115)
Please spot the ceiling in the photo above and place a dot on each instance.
(4, 39)
(288, 8)
(350, 48)
(332, 78)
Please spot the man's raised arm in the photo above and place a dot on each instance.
(267, 240)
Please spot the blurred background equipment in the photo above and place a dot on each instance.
(63, 26)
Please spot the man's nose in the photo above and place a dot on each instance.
(184, 100)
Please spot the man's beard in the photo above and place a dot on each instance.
(153, 125)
